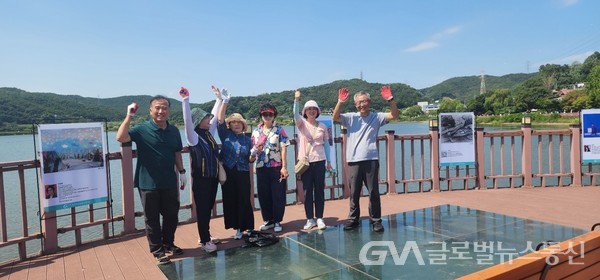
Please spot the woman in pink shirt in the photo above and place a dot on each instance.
(313, 143)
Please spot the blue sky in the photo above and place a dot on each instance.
(117, 47)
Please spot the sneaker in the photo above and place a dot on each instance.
(238, 235)
(267, 225)
(277, 227)
(378, 227)
(350, 224)
(310, 223)
(173, 250)
(162, 259)
(214, 240)
(321, 224)
(209, 247)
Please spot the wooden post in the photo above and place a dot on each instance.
(576, 154)
(391, 161)
(299, 186)
(345, 180)
(526, 154)
(480, 162)
(49, 224)
(128, 201)
(434, 155)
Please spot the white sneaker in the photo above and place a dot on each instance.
(277, 227)
(321, 224)
(266, 226)
(214, 240)
(209, 247)
(310, 223)
(238, 235)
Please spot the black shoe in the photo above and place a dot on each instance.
(378, 227)
(162, 259)
(350, 225)
(173, 250)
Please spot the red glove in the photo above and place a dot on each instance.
(184, 93)
(386, 93)
(343, 94)
(132, 108)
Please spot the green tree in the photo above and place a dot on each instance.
(448, 105)
(575, 101)
(499, 102)
(413, 111)
(593, 86)
(553, 75)
(532, 94)
(477, 105)
(589, 64)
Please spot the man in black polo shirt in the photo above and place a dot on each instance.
(158, 153)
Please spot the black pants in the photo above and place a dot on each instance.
(205, 193)
(237, 207)
(271, 193)
(159, 202)
(366, 172)
(313, 182)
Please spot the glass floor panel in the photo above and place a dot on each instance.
(442, 242)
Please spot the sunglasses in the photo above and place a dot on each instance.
(268, 114)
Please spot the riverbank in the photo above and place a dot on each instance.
(510, 120)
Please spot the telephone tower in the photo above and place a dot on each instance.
(482, 86)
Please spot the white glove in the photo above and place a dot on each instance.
(225, 96)
(132, 108)
(182, 181)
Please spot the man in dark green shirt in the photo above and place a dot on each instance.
(158, 154)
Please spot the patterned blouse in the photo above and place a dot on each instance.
(275, 140)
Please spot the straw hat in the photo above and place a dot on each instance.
(237, 117)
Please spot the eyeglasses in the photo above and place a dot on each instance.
(268, 114)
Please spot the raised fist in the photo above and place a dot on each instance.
(132, 108)
(386, 93)
(343, 94)
(297, 94)
(184, 93)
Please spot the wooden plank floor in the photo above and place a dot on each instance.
(127, 257)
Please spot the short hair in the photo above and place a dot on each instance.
(267, 107)
(356, 95)
(159, 97)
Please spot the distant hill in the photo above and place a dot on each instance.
(466, 88)
(21, 107)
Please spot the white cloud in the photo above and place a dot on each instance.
(435, 39)
(569, 2)
(423, 46)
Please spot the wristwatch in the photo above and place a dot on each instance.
(182, 171)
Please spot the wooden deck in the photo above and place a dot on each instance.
(127, 257)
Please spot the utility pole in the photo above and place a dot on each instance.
(482, 86)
